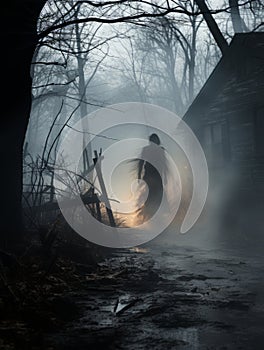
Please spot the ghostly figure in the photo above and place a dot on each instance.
(155, 180)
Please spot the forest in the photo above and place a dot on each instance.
(158, 101)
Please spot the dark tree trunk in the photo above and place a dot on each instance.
(239, 25)
(235, 15)
(87, 153)
(192, 61)
(213, 27)
(18, 30)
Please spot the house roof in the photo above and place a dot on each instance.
(240, 66)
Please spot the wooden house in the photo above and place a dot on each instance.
(227, 115)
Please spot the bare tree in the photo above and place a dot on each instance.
(239, 25)
(20, 37)
(212, 25)
(160, 59)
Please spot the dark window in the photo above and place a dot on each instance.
(215, 141)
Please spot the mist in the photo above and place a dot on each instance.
(132, 175)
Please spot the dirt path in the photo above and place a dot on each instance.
(169, 298)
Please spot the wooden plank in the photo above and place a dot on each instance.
(97, 165)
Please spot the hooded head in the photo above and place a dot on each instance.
(154, 138)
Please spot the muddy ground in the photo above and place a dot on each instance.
(169, 294)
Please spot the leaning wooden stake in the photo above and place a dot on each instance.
(97, 165)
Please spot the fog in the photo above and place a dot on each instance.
(132, 175)
(100, 65)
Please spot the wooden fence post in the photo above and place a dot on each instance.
(97, 164)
